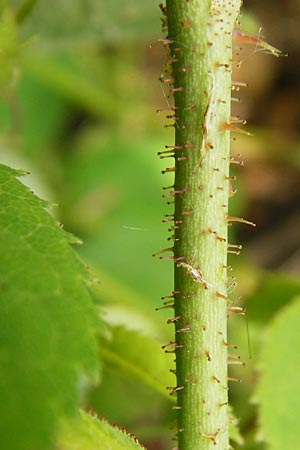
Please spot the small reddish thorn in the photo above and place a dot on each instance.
(222, 296)
(208, 356)
(186, 24)
(184, 69)
(215, 379)
(187, 212)
(173, 319)
(241, 220)
(237, 380)
(176, 89)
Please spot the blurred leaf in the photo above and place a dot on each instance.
(40, 109)
(67, 77)
(278, 391)
(48, 324)
(113, 184)
(272, 293)
(234, 431)
(89, 433)
(9, 46)
(24, 9)
(128, 352)
(87, 22)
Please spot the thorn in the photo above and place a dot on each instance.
(164, 42)
(244, 38)
(241, 220)
(174, 389)
(186, 24)
(181, 158)
(169, 249)
(239, 84)
(167, 109)
(215, 379)
(171, 61)
(174, 147)
(237, 120)
(184, 69)
(236, 310)
(173, 319)
(166, 80)
(229, 345)
(221, 239)
(164, 307)
(208, 356)
(175, 192)
(184, 329)
(225, 126)
(171, 344)
(175, 407)
(237, 380)
(168, 169)
(212, 436)
(234, 161)
(222, 296)
(232, 362)
(232, 191)
(233, 252)
(188, 212)
(176, 89)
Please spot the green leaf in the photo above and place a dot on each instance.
(48, 323)
(234, 431)
(90, 433)
(87, 22)
(278, 391)
(128, 353)
(273, 292)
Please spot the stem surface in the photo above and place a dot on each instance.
(200, 41)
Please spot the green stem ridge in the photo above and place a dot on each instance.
(200, 42)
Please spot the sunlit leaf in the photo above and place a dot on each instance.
(90, 433)
(48, 324)
(278, 392)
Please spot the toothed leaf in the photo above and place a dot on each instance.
(278, 392)
(48, 324)
(90, 433)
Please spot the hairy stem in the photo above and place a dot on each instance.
(200, 41)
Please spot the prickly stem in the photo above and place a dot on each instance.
(200, 44)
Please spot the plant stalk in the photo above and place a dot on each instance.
(200, 42)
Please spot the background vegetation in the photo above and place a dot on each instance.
(77, 110)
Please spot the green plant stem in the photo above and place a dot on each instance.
(200, 41)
